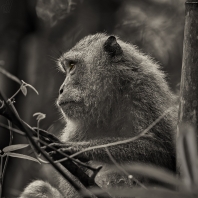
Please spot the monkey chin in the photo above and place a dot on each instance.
(73, 110)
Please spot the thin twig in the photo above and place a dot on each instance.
(71, 158)
(123, 170)
(13, 129)
(9, 75)
(15, 93)
(7, 157)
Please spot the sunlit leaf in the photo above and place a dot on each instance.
(24, 90)
(28, 85)
(17, 155)
(39, 115)
(14, 147)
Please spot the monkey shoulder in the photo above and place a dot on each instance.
(40, 189)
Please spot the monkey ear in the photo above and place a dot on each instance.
(112, 47)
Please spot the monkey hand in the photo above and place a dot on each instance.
(61, 150)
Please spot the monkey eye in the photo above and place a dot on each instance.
(72, 66)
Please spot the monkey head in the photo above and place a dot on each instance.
(107, 77)
(90, 78)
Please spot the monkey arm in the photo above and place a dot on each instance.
(144, 149)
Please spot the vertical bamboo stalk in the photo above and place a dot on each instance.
(188, 111)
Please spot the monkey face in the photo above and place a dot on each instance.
(88, 89)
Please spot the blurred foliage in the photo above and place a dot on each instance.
(34, 33)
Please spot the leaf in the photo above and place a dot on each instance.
(14, 147)
(187, 154)
(9, 75)
(39, 115)
(17, 155)
(24, 90)
(28, 85)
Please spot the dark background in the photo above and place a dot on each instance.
(33, 34)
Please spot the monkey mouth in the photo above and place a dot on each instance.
(65, 103)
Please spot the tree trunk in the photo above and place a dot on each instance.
(188, 111)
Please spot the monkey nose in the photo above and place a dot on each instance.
(60, 90)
